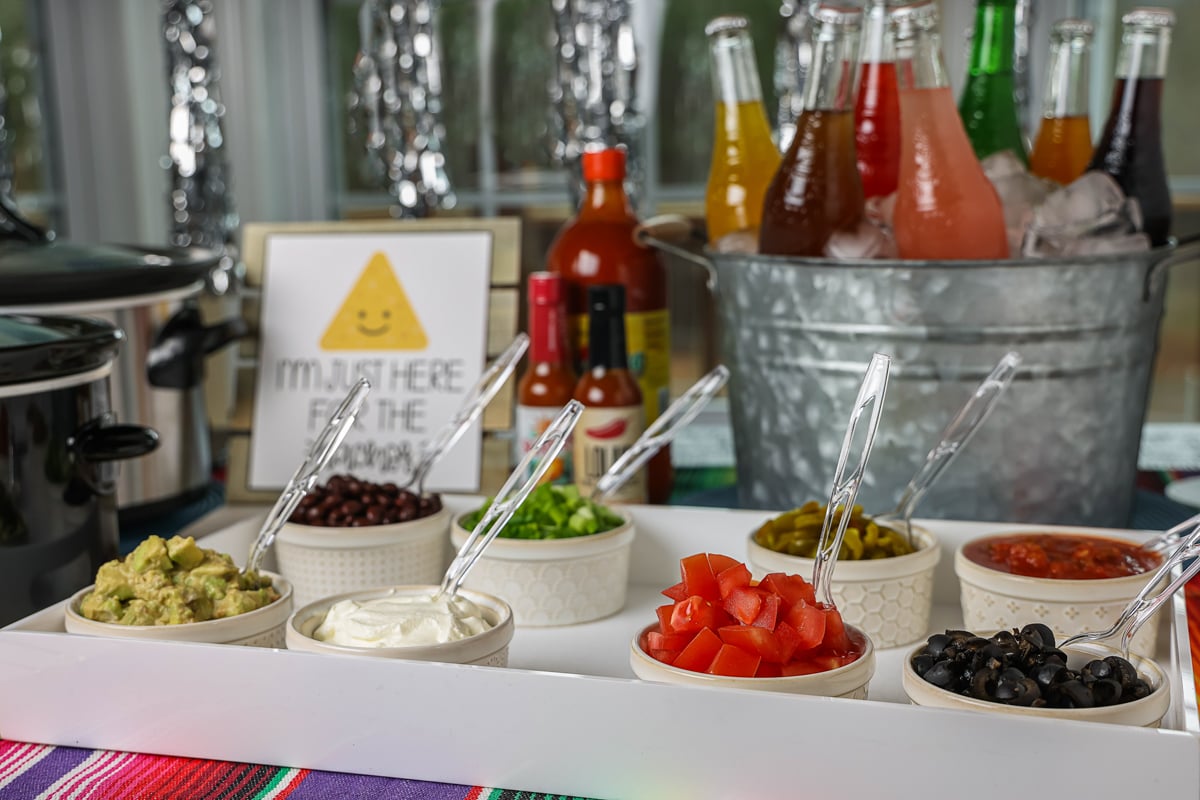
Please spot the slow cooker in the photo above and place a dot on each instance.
(59, 443)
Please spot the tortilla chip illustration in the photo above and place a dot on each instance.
(376, 315)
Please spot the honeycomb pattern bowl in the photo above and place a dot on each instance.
(321, 561)
(890, 599)
(555, 581)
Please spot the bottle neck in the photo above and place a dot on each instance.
(734, 73)
(547, 333)
(831, 78)
(992, 44)
(605, 200)
(1144, 51)
(1067, 78)
(878, 43)
(919, 62)
(606, 342)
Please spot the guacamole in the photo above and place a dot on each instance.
(167, 582)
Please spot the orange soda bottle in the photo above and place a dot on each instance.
(817, 190)
(1063, 146)
(946, 208)
(743, 158)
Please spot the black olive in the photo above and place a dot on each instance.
(936, 644)
(940, 674)
(1054, 654)
(1122, 671)
(1027, 692)
(921, 663)
(993, 656)
(983, 684)
(976, 644)
(1097, 670)
(1106, 692)
(1139, 690)
(1078, 695)
(960, 636)
(1006, 640)
(1039, 634)
(1047, 674)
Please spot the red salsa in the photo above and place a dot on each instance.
(1061, 556)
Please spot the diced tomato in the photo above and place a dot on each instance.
(758, 641)
(787, 639)
(800, 667)
(676, 592)
(735, 577)
(734, 662)
(699, 653)
(790, 588)
(664, 617)
(810, 623)
(744, 604)
(665, 656)
(668, 641)
(768, 670)
(835, 631)
(770, 612)
(698, 578)
(719, 563)
(693, 614)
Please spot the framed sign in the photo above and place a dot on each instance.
(404, 305)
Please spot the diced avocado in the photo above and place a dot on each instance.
(150, 554)
(184, 552)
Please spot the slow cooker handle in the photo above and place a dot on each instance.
(114, 442)
(176, 361)
(14, 227)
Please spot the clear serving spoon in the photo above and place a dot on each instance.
(660, 433)
(481, 394)
(955, 436)
(305, 477)
(1171, 537)
(520, 483)
(845, 489)
(1148, 600)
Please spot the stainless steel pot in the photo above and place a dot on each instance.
(1062, 444)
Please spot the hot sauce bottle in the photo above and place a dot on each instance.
(614, 416)
(597, 247)
(549, 379)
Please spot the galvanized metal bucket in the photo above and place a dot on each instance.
(1061, 445)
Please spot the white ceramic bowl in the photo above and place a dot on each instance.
(994, 600)
(1147, 712)
(850, 681)
(323, 561)
(888, 598)
(262, 627)
(555, 581)
(489, 648)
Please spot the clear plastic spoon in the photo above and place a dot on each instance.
(660, 433)
(481, 394)
(1148, 600)
(845, 489)
(305, 477)
(955, 436)
(520, 483)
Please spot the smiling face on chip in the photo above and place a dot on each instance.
(376, 314)
(374, 322)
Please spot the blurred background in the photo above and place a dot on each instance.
(85, 100)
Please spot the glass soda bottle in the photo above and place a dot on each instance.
(1063, 146)
(597, 247)
(877, 111)
(946, 208)
(816, 190)
(743, 158)
(1130, 147)
(988, 106)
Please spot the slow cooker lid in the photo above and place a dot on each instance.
(62, 272)
(45, 347)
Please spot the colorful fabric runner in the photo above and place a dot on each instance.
(29, 771)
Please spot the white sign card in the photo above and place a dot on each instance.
(405, 310)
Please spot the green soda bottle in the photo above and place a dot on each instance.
(987, 105)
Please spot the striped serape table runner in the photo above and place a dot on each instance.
(29, 771)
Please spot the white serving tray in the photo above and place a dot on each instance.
(567, 716)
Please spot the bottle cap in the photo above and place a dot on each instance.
(1071, 28)
(606, 299)
(607, 164)
(545, 289)
(831, 14)
(726, 24)
(915, 12)
(1148, 17)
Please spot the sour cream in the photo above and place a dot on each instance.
(401, 621)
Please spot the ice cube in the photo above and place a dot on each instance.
(1092, 201)
(744, 242)
(869, 240)
(1002, 165)
(881, 210)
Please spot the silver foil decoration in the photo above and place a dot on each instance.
(6, 148)
(202, 211)
(594, 92)
(396, 104)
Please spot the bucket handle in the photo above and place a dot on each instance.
(672, 233)
(1185, 249)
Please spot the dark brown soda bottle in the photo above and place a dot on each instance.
(1130, 148)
